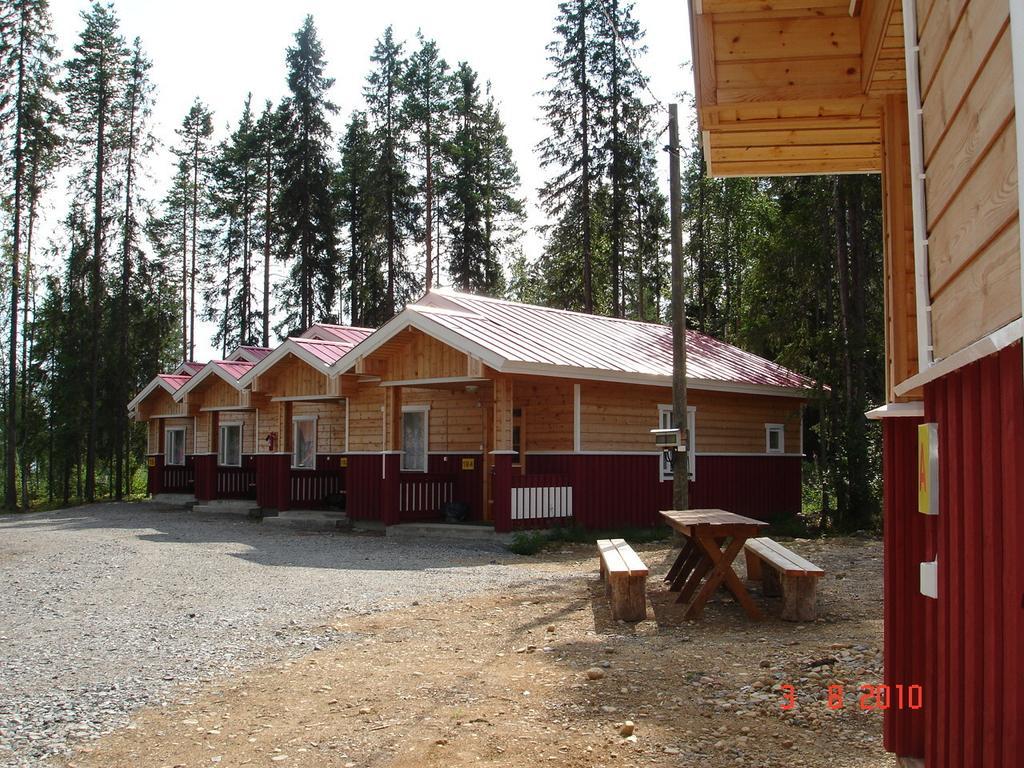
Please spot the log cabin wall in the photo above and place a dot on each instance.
(970, 160)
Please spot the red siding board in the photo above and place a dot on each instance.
(363, 479)
(975, 668)
(625, 490)
(905, 547)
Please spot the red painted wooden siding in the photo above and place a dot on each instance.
(625, 489)
(363, 486)
(238, 482)
(906, 546)
(974, 631)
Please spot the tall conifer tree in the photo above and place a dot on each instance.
(306, 206)
(94, 84)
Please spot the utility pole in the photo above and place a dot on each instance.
(681, 464)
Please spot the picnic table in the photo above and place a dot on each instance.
(703, 558)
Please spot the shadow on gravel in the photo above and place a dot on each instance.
(270, 546)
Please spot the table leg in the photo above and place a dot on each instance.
(680, 560)
(703, 565)
(722, 571)
(692, 561)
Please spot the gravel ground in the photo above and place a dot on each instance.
(110, 607)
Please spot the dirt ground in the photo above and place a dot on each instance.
(502, 679)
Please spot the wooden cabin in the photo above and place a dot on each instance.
(927, 93)
(303, 420)
(529, 416)
(521, 416)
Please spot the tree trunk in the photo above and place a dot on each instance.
(268, 191)
(588, 280)
(195, 229)
(97, 284)
(10, 458)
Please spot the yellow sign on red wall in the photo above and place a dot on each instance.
(469, 463)
(928, 469)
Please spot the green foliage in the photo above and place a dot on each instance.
(306, 197)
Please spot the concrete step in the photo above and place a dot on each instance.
(450, 531)
(183, 500)
(226, 507)
(309, 520)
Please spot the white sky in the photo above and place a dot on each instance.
(219, 50)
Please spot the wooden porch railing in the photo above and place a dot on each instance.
(541, 497)
(237, 482)
(311, 487)
(178, 478)
(424, 493)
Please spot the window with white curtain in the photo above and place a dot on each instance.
(414, 438)
(229, 446)
(304, 442)
(174, 446)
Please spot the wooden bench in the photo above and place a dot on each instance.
(625, 577)
(782, 571)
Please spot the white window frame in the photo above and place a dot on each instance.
(779, 429)
(167, 446)
(221, 442)
(296, 420)
(665, 410)
(425, 410)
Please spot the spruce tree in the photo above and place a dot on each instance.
(135, 107)
(428, 95)
(306, 206)
(27, 55)
(383, 95)
(94, 84)
(266, 171)
(569, 152)
(360, 214)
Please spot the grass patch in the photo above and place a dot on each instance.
(532, 542)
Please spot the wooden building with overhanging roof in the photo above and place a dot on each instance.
(531, 416)
(926, 93)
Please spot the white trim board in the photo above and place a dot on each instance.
(918, 197)
(1017, 52)
(897, 410)
(984, 347)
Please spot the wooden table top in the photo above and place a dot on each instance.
(686, 518)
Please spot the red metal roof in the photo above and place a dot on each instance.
(236, 369)
(173, 381)
(348, 334)
(189, 367)
(256, 353)
(329, 352)
(526, 335)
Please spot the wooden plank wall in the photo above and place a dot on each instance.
(291, 377)
(213, 392)
(971, 169)
(548, 408)
(330, 424)
(620, 417)
(900, 285)
(365, 425)
(456, 418)
(158, 402)
(415, 355)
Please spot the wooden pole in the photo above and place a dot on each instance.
(680, 467)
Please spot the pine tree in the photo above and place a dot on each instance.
(94, 83)
(428, 94)
(360, 213)
(306, 205)
(194, 155)
(236, 206)
(574, 136)
(135, 108)
(617, 44)
(266, 171)
(27, 54)
(482, 213)
(383, 94)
